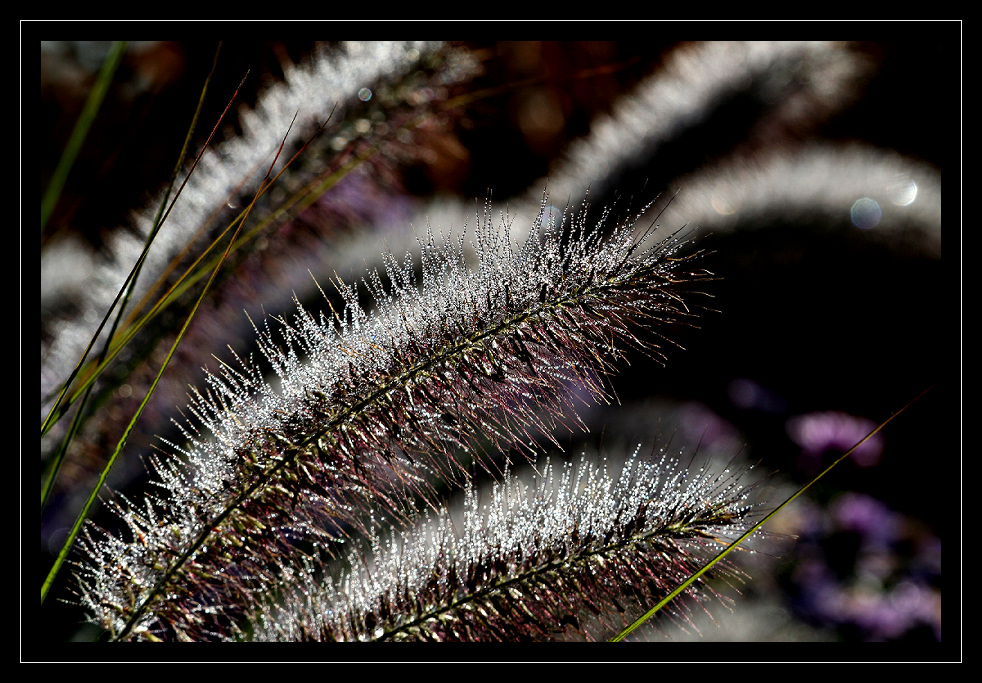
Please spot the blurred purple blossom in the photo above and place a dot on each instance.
(832, 430)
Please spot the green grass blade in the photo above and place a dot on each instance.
(81, 130)
(57, 411)
(726, 551)
(54, 463)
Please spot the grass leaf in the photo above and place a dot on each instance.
(75, 142)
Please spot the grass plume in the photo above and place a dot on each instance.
(568, 554)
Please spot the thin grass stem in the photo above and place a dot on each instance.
(79, 133)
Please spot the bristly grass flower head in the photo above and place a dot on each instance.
(374, 403)
(574, 553)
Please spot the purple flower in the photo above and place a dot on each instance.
(836, 431)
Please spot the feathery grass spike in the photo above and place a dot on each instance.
(563, 556)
